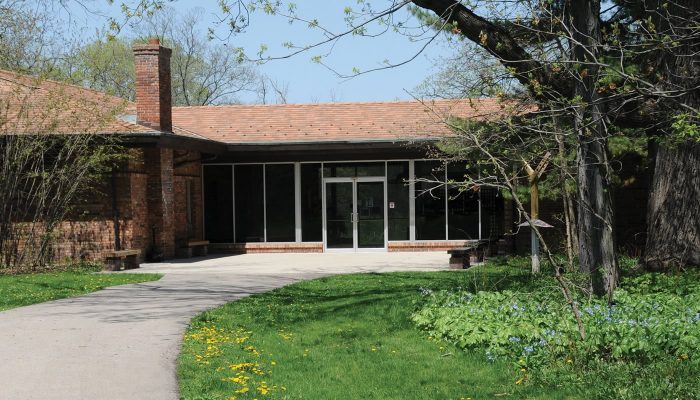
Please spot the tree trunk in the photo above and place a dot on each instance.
(596, 240)
(673, 215)
(595, 211)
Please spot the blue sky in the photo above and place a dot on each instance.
(308, 81)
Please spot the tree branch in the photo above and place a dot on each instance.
(498, 42)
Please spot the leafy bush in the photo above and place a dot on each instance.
(655, 320)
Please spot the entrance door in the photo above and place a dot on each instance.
(355, 215)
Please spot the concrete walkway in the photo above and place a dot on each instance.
(121, 343)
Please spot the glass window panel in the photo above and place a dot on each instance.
(430, 200)
(338, 170)
(311, 203)
(398, 200)
(250, 215)
(351, 170)
(370, 214)
(463, 204)
(279, 199)
(339, 207)
(218, 203)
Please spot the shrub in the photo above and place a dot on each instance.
(654, 321)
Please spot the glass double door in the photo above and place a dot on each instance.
(355, 218)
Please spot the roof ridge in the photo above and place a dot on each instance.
(340, 103)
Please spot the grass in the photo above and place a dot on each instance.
(343, 337)
(25, 289)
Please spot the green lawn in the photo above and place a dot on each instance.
(26, 289)
(344, 337)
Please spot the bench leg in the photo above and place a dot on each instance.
(184, 252)
(132, 262)
(459, 262)
(479, 255)
(113, 264)
(202, 250)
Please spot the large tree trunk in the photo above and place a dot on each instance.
(595, 211)
(596, 241)
(673, 216)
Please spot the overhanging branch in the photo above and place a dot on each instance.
(500, 44)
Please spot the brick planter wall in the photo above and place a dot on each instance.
(282, 247)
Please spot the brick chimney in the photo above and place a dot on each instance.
(153, 93)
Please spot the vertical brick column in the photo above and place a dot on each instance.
(160, 202)
(154, 109)
(153, 86)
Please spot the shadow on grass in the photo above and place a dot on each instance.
(347, 296)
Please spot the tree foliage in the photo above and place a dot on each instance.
(31, 41)
(203, 72)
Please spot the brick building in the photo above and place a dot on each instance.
(253, 178)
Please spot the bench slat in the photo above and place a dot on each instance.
(467, 248)
(195, 243)
(122, 253)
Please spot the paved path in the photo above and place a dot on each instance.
(121, 343)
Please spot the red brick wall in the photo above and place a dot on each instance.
(89, 230)
(151, 193)
(282, 247)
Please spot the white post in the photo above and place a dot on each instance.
(297, 202)
(535, 245)
(411, 200)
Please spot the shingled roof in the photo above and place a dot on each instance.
(348, 122)
(30, 105)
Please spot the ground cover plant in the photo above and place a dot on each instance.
(491, 331)
(24, 289)
(644, 345)
(344, 337)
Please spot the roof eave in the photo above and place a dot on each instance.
(401, 141)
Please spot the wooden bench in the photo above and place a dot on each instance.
(194, 247)
(462, 257)
(115, 260)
